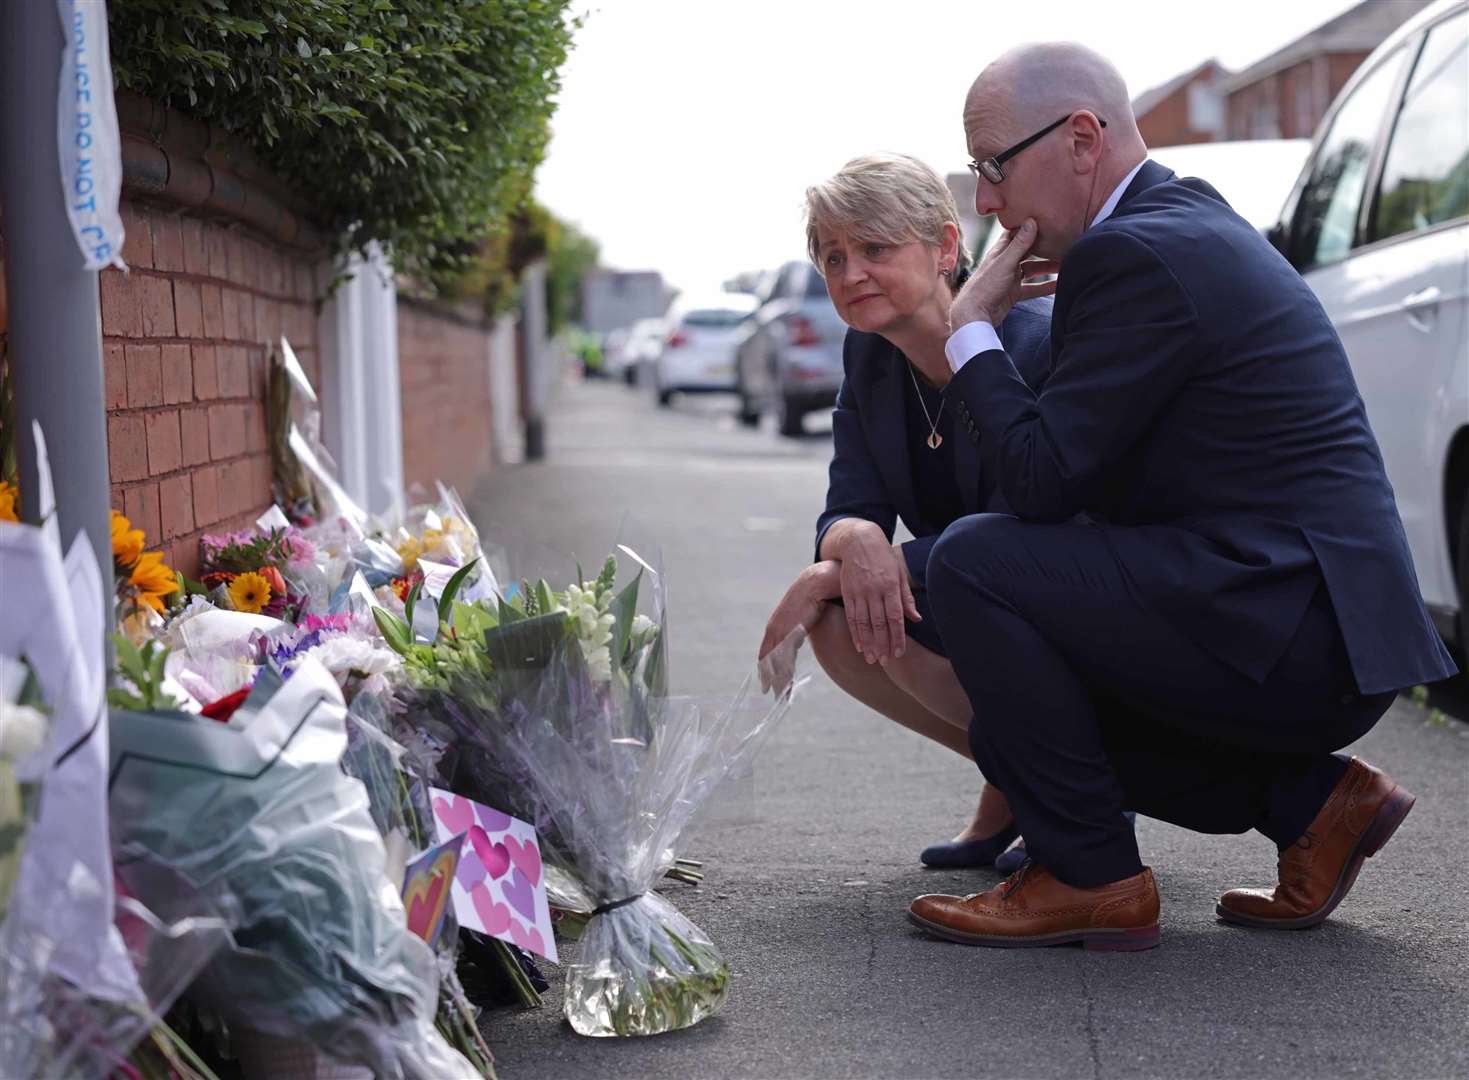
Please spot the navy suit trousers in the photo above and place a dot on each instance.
(1087, 702)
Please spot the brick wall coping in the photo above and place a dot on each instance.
(464, 312)
(173, 159)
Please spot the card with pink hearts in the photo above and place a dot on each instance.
(499, 888)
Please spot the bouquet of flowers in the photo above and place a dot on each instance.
(255, 814)
(80, 980)
(253, 570)
(555, 705)
(145, 584)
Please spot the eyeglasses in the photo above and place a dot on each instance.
(990, 168)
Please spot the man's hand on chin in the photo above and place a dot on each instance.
(999, 280)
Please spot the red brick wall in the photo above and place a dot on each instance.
(1284, 87)
(1166, 124)
(185, 340)
(444, 382)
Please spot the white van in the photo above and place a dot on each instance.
(1378, 224)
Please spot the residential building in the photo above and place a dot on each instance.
(1286, 94)
(1187, 109)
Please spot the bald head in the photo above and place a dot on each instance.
(1074, 104)
(1031, 85)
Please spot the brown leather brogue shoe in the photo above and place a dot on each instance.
(1031, 908)
(1316, 872)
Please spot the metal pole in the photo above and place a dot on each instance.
(55, 322)
(537, 362)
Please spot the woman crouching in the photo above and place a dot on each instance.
(884, 232)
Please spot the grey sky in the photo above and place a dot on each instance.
(688, 130)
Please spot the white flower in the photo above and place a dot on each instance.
(599, 664)
(641, 624)
(593, 629)
(343, 654)
(22, 730)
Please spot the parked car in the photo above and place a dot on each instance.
(644, 344)
(1254, 175)
(614, 354)
(698, 354)
(1378, 224)
(790, 355)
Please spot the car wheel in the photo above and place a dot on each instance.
(630, 375)
(664, 397)
(791, 416)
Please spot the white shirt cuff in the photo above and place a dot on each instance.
(968, 341)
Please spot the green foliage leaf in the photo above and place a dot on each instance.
(608, 577)
(144, 669)
(451, 590)
(545, 601)
(471, 621)
(394, 630)
(118, 698)
(624, 609)
(129, 660)
(416, 123)
(409, 603)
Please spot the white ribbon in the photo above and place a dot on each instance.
(86, 134)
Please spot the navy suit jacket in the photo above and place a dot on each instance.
(871, 474)
(1201, 406)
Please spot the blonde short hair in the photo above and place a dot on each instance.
(884, 199)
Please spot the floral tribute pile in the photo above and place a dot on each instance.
(278, 731)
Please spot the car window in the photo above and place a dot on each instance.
(1425, 179)
(815, 285)
(1326, 216)
(790, 282)
(713, 317)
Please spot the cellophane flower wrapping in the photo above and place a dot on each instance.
(257, 816)
(611, 773)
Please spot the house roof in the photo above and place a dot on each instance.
(1148, 99)
(1358, 29)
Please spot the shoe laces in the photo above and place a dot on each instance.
(1014, 880)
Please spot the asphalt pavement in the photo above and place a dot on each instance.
(812, 863)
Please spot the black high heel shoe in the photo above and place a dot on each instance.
(965, 853)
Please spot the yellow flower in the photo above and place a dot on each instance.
(153, 579)
(127, 542)
(249, 592)
(409, 551)
(8, 498)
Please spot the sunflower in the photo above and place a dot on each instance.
(127, 542)
(249, 592)
(8, 498)
(153, 579)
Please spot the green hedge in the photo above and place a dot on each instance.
(416, 123)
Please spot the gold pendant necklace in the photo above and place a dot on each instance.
(934, 440)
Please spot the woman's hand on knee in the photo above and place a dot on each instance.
(877, 595)
(801, 606)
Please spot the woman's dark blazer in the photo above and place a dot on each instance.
(871, 475)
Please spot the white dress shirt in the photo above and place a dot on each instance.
(976, 337)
